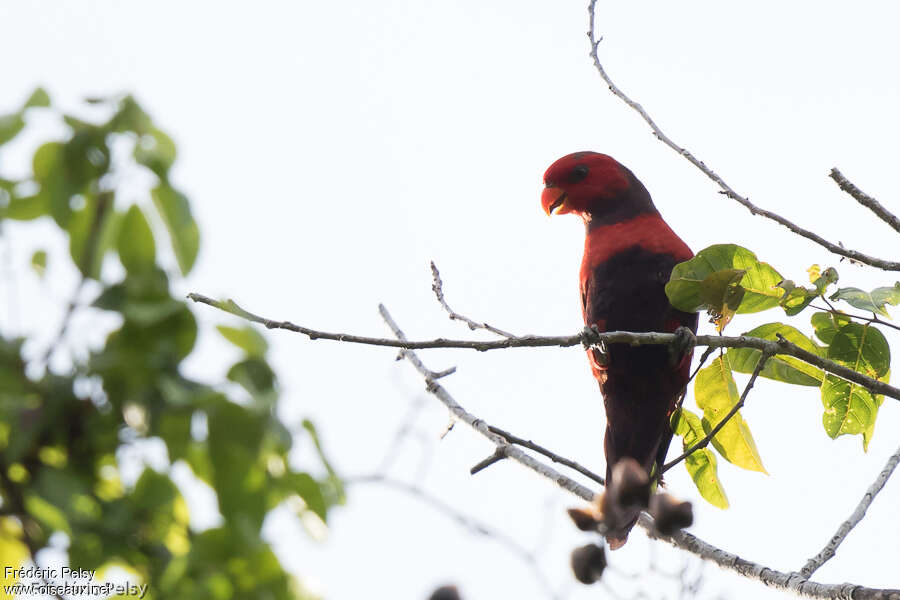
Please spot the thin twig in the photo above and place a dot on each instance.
(734, 409)
(512, 439)
(831, 547)
(703, 358)
(403, 431)
(866, 200)
(873, 319)
(437, 287)
(726, 189)
(584, 337)
(498, 455)
(470, 523)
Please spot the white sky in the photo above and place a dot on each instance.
(331, 150)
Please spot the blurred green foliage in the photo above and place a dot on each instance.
(62, 433)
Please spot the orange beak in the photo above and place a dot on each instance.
(553, 198)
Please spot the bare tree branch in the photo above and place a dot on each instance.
(780, 580)
(437, 287)
(551, 455)
(828, 551)
(681, 539)
(526, 556)
(586, 337)
(734, 409)
(866, 200)
(726, 189)
(515, 342)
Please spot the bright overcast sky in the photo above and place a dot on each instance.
(331, 149)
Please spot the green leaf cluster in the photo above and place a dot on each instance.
(73, 182)
(63, 435)
(726, 280)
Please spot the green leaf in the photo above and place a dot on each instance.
(197, 456)
(721, 295)
(701, 464)
(10, 126)
(136, 247)
(13, 552)
(863, 348)
(309, 489)
(870, 430)
(256, 376)
(147, 313)
(873, 301)
(57, 187)
(827, 325)
(849, 407)
(156, 151)
(130, 117)
(782, 368)
(39, 262)
(246, 338)
(26, 209)
(886, 295)
(156, 497)
(335, 490)
(235, 437)
(153, 490)
(716, 394)
(825, 278)
(184, 234)
(174, 427)
(760, 280)
(43, 163)
(795, 298)
(47, 514)
(93, 230)
(39, 97)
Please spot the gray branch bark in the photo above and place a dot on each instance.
(866, 200)
(585, 338)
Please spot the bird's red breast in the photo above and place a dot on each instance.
(647, 231)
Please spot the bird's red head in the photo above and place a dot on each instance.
(585, 183)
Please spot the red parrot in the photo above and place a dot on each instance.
(629, 252)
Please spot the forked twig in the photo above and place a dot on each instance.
(437, 287)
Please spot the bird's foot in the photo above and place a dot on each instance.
(589, 337)
(682, 344)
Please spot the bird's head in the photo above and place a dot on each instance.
(592, 185)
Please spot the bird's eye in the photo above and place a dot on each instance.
(578, 173)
